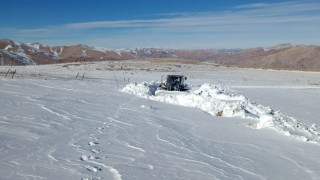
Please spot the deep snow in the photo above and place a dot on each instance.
(220, 101)
(53, 126)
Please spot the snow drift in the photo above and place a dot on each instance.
(218, 100)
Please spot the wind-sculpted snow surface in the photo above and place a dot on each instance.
(55, 126)
(218, 100)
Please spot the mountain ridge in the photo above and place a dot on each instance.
(282, 56)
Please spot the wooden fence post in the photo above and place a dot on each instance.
(7, 72)
(83, 76)
(13, 73)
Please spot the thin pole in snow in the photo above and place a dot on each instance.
(83, 76)
(13, 73)
(77, 75)
(7, 72)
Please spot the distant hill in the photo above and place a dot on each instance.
(284, 56)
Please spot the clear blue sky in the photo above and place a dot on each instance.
(162, 23)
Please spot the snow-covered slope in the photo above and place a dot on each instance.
(16, 53)
(54, 126)
(19, 56)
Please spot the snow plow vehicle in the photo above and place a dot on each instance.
(174, 83)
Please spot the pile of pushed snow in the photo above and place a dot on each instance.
(220, 101)
(143, 89)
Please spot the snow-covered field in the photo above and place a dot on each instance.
(110, 125)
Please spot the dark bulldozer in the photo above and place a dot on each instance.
(174, 83)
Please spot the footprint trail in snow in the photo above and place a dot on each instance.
(93, 161)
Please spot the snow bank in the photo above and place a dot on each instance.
(221, 101)
(143, 89)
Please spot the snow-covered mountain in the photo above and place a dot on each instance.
(36, 53)
(284, 56)
(16, 53)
